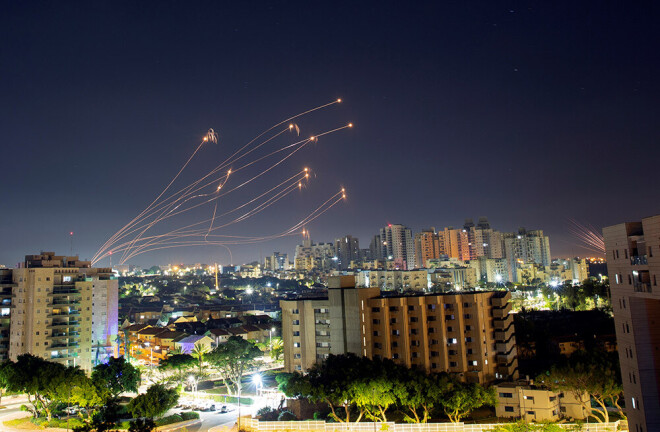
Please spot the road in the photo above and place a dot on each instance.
(214, 421)
(11, 410)
(209, 420)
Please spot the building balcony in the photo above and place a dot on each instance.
(638, 260)
(65, 346)
(65, 313)
(502, 312)
(60, 356)
(501, 324)
(505, 347)
(64, 334)
(498, 301)
(642, 287)
(502, 335)
(506, 370)
(507, 361)
(64, 324)
(65, 291)
(63, 302)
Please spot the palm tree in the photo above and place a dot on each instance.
(198, 352)
(276, 348)
(175, 351)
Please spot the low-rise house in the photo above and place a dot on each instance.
(218, 335)
(187, 344)
(524, 400)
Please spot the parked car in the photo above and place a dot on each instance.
(224, 409)
(71, 410)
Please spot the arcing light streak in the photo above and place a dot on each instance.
(590, 238)
(145, 212)
(170, 243)
(179, 232)
(295, 178)
(132, 239)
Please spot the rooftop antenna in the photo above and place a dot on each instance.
(216, 277)
(71, 241)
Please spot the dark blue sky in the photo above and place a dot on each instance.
(529, 113)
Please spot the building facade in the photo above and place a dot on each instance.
(398, 244)
(525, 247)
(531, 403)
(63, 310)
(470, 335)
(347, 249)
(633, 265)
(427, 247)
(277, 262)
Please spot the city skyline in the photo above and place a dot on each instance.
(460, 111)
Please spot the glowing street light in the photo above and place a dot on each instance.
(270, 337)
(193, 385)
(258, 382)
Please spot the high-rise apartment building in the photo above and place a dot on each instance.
(398, 244)
(277, 262)
(63, 310)
(633, 265)
(468, 334)
(394, 280)
(526, 247)
(347, 249)
(6, 287)
(427, 247)
(311, 256)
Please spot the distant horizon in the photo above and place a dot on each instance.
(143, 260)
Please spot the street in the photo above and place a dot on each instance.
(208, 420)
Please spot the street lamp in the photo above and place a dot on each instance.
(193, 385)
(258, 382)
(151, 352)
(270, 337)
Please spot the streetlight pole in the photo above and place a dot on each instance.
(270, 337)
(239, 405)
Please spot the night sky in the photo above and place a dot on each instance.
(529, 113)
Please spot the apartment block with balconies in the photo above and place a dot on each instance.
(633, 265)
(52, 309)
(6, 287)
(470, 334)
(305, 332)
(464, 334)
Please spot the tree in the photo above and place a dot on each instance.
(142, 425)
(464, 398)
(86, 394)
(179, 366)
(276, 348)
(46, 383)
(234, 358)
(589, 375)
(374, 396)
(155, 402)
(198, 353)
(5, 377)
(335, 382)
(117, 375)
(523, 426)
(422, 392)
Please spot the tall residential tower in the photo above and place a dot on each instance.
(633, 264)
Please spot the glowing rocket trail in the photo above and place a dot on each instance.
(144, 233)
